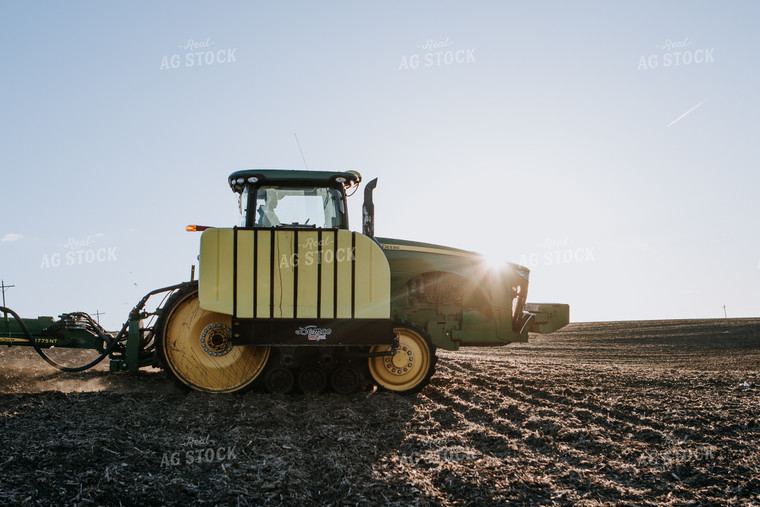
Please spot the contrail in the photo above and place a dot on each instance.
(687, 112)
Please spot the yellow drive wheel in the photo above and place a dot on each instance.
(196, 347)
(410, 368)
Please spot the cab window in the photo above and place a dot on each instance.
(298, 207)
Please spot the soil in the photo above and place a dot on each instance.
(644, 413)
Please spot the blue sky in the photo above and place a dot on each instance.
(548, 142)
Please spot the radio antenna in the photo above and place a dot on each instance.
(299, 149)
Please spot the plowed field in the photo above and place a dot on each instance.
(645, 413)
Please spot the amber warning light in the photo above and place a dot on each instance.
(197, 228)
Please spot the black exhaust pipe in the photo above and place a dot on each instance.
(368, 210)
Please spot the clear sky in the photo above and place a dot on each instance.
(611, 147)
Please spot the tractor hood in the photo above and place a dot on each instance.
(402, 245)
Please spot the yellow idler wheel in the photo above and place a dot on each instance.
(410, 368)
(196, 347)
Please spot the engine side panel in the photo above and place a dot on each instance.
(456, 296)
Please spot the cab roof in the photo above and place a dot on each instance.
(287, 177)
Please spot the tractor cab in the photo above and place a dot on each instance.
(272, 198)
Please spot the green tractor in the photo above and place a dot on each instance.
(292, 297)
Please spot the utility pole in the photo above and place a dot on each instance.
(98, 314)
(4, 288)
(725, 315)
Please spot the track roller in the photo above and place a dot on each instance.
(279, 380)
(312, 380)
(345, 380)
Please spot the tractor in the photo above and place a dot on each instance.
(291, 297)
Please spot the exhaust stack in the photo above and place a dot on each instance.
(368, 210)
